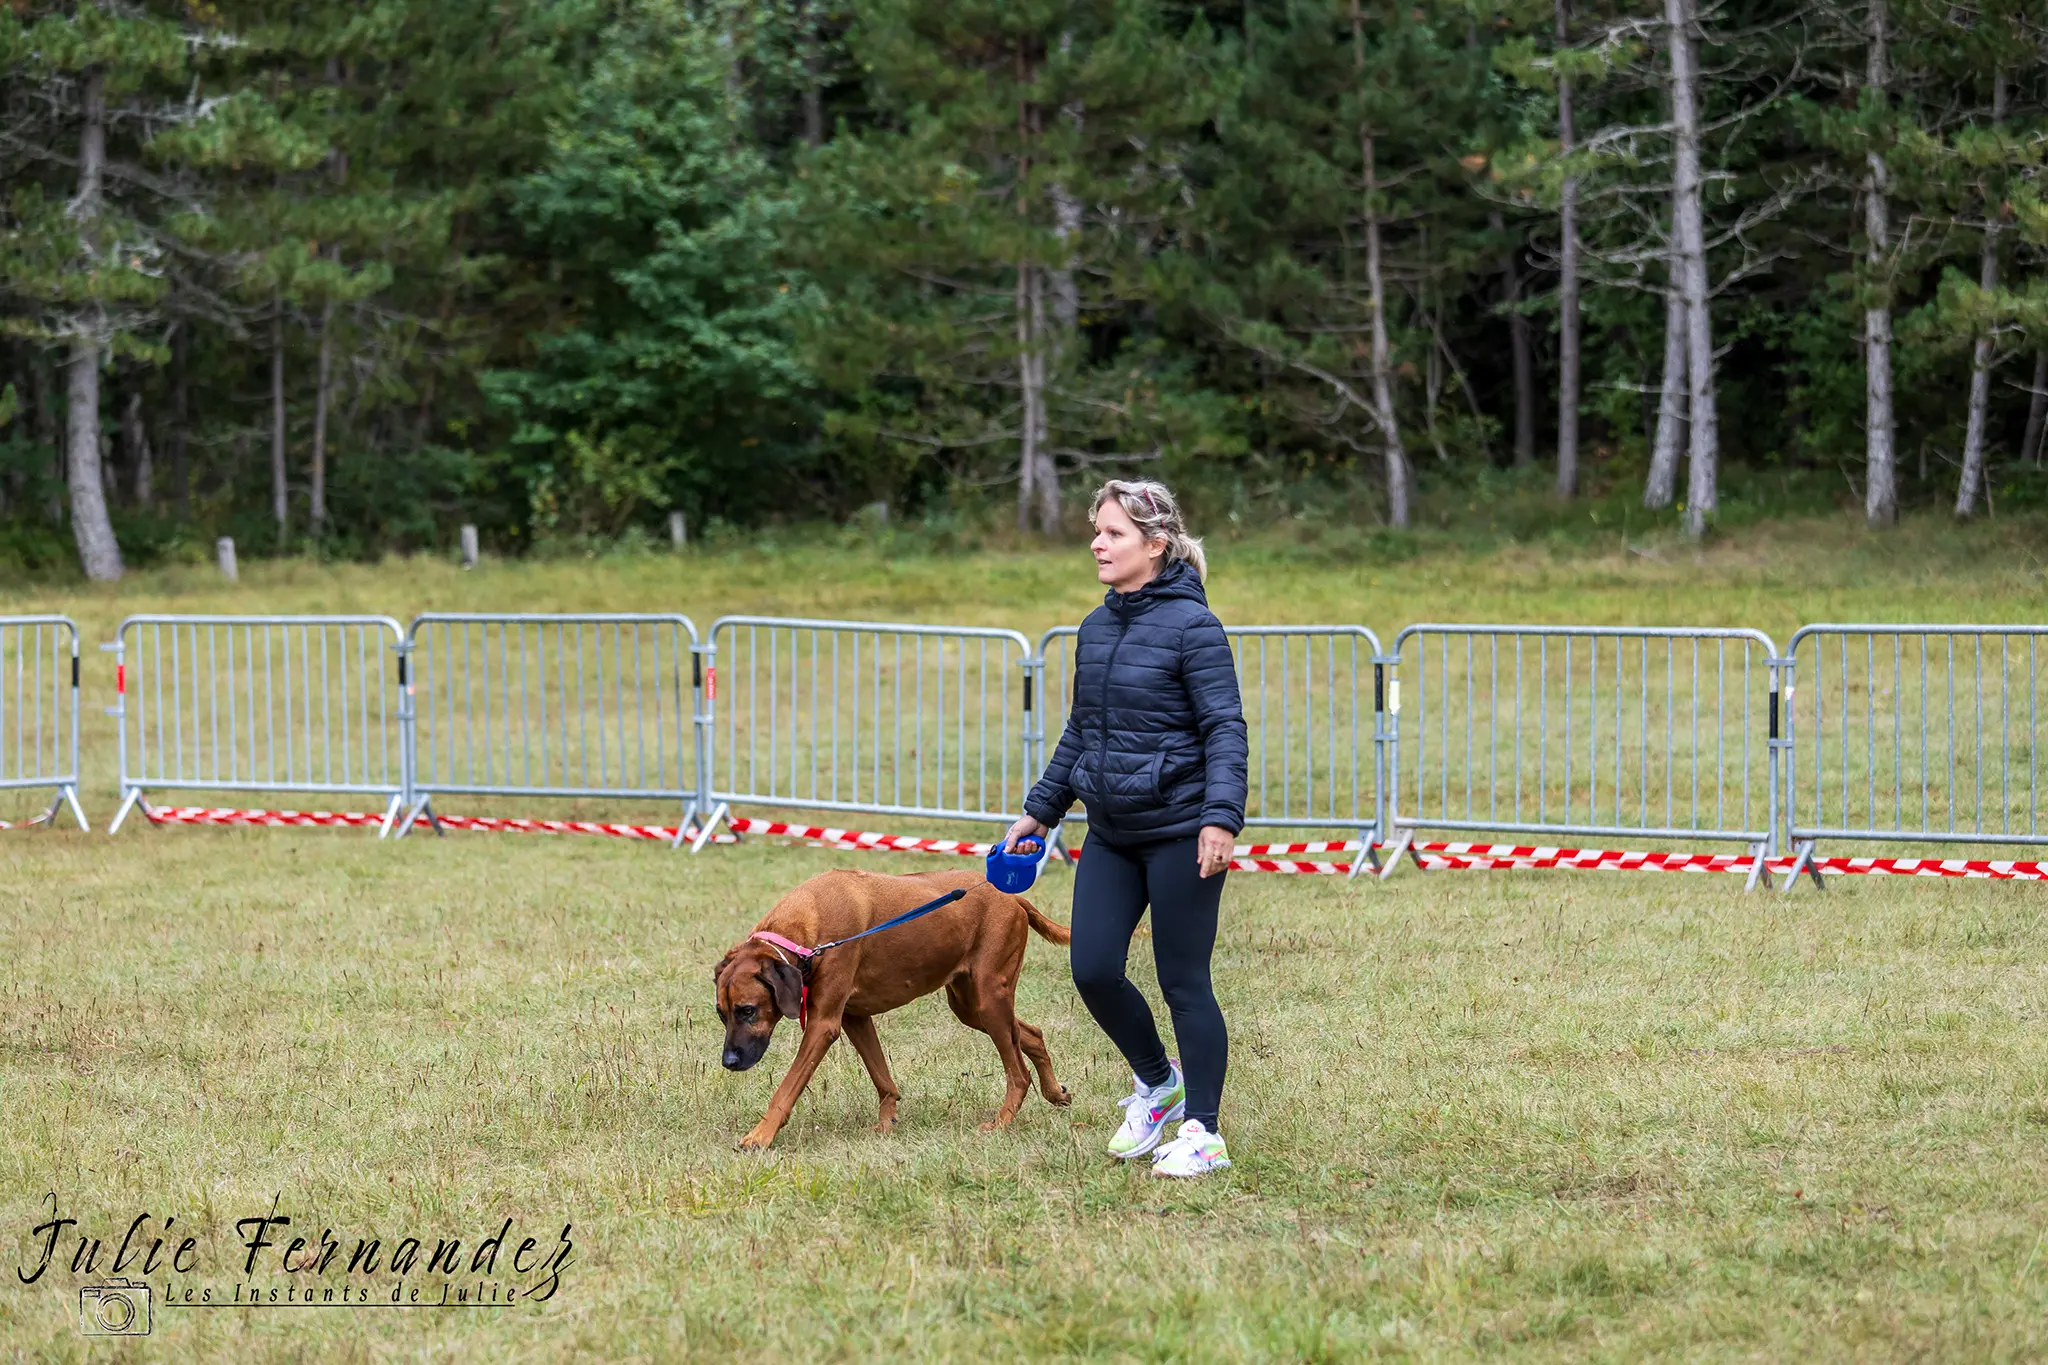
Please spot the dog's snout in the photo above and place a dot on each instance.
(733, 1061)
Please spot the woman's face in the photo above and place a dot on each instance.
(1124, 559)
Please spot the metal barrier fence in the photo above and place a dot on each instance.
(262, 703)
(1583, 730)
(1317, 736)
(39, 709)
(1954, 711)
(556, 705)
(881, 718)
(1907, 733)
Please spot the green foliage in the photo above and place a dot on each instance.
(674, 358)
(940, 232)
(570, 264)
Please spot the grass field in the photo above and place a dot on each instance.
(1528, 1116)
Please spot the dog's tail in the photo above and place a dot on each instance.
(1045, 928)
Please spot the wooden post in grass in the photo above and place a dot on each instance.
(224, 551)
(678, 530)
(469, 554)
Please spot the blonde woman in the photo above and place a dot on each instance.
(1155, 749)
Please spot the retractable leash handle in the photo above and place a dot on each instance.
(1015, 872)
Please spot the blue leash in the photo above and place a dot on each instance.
(906, 917)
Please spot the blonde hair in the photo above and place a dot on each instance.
(1150, 504)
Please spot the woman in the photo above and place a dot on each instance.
(1155, 749)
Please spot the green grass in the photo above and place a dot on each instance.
(1510, 1116)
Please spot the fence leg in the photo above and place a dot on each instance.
(129, 801)
(710, 827)
(390, 816)
(67, 795)
(423, 806)
(1802, 862)
(1403, 841)
(1756, 868)
(1368, 854)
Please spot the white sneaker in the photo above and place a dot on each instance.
(1196, 1151)
(1148, 1113)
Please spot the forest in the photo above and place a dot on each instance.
(336, 276)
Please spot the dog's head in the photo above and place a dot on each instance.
(756, 989)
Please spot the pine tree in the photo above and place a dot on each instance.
(98, 192)
(1340, 211)
(1021, 151)
(675, 372)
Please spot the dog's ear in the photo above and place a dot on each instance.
(786, 984)
(718, 972)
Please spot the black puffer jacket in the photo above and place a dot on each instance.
(1155, 744)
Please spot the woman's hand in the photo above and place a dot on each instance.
(1025, 828)
(1213, 849)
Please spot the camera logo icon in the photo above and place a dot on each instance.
(118, 1308)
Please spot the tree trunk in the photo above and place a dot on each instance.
(1519, 349)
(1066, 295)
(1047, 479)
(181, 416)
(1671, 423)
(1028, 425)
(1382, 378)
(1881, 490)
(1066, 226)
(320, 399)
(1567, 287)
(136, 436)
(99, 554)
(1972, 482)
(1399, 476)
(280, 507)
(1971, 485)
(2037, 409)
(1690, 251)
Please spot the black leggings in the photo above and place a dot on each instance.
(1111, 889)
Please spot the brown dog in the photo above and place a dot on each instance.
(973, 947)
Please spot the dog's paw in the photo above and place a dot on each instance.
(1066, 1097)
(886, 1126)
(758, 1140)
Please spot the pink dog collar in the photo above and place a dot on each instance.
(775, 940)
(804, 955)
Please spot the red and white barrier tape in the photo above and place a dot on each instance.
(25, 824)
(857, 839)
(1975, 868)
(1480, 857)
(207, 815)
(1248, 857)
(1442, 857)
